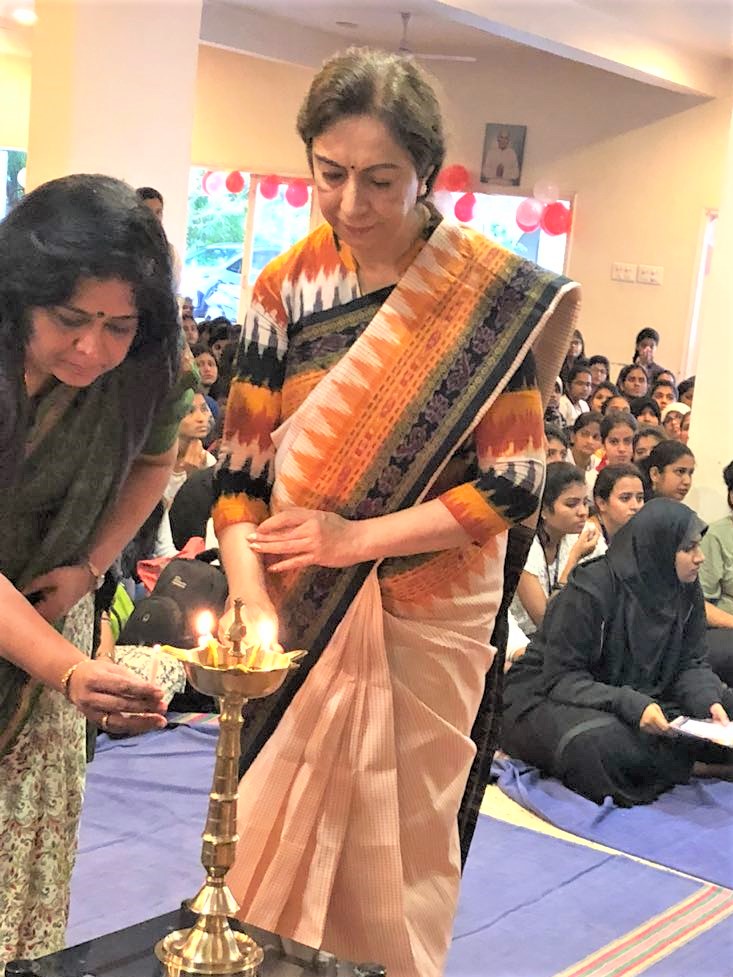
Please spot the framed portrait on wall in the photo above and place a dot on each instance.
(501, 163)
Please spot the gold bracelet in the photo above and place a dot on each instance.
(66, 678)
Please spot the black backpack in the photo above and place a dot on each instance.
(168, 615)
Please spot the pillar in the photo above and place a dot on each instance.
(711, 421)
(112, 91)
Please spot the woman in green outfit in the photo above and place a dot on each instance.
(89, 407)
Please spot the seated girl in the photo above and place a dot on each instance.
(617, 434)
(192, 456)
(601, 395)
(646, 411)
(600, 370)
(557, 444)
(672, 417)
(617, 495)
(670, 467)
(620, 654)
(645, 440)
(619, 402)
(633, 381)
(562, 541)
(716, 578)
(586, 445)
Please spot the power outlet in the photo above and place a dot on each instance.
(622, 271)
(650, 275)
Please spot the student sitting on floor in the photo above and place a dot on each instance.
(562, 540)
(586, 443)
(716, 578)
(617, 434)
(620, 653)
(618, 495)
(645, 441)
(557, 444)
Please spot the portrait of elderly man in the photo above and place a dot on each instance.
(503, 152)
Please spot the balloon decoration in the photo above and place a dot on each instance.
(297, 193)
(213, 182)
(235, 182)
(453, 178)
(443, 200)
(529, 214)
(464, 207)
(269, 187)
(555, 219)
(545, 191)
(544, 210)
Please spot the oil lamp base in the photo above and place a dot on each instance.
(195, 953)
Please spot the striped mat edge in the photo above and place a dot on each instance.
(658, 937)
(193, 718)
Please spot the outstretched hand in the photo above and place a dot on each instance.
(307, 537)
(115, 699)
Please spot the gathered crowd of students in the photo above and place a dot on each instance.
(601, 660)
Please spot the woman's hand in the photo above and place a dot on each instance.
(102, 691)
(719, 714)
(61, 590)
(587, 540)
(307, 537)
(653, 720)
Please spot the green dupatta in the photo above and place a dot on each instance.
(79, 449)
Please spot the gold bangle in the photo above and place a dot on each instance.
(66, 678)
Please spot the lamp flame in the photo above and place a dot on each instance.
(266, 634)
(204, 625)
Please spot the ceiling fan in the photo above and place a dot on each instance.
(404, 47)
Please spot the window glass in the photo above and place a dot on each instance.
(214, 239)
(495, 216)
(277, 226)
(12, 178)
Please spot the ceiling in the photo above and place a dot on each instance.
(698, 26)
(681, 45)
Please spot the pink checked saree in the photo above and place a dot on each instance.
(348, 809)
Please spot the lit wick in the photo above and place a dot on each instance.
(206, 641)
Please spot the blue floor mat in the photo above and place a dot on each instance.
(530, 905)
(690, 828)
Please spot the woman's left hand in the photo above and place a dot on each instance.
(61, 589)
(719, 714)
(307, 537)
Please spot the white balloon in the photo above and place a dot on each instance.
(546, 191)
(20, 177)
(443, 200)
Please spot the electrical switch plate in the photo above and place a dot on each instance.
(622, 271)
(650, 275)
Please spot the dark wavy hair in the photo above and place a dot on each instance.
(608, 477)
(388, 86)
(67, 230)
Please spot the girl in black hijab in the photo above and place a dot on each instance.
(621, 653)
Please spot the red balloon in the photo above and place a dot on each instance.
(555, 219)
(269, 186)
(453, 178)
(464, 207)
(297, 193)
(235, 182)
(529, 214)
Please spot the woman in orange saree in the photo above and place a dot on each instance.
(384, 433)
